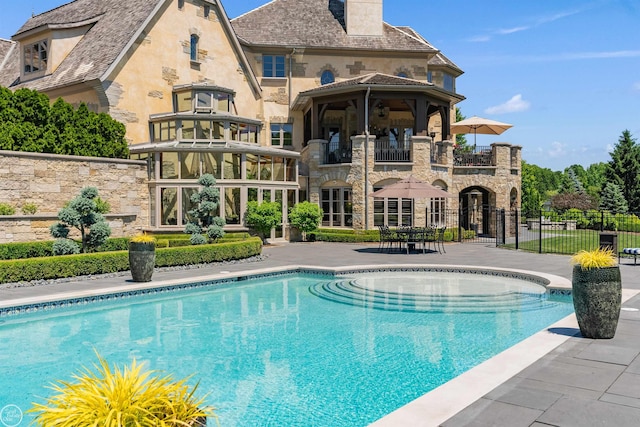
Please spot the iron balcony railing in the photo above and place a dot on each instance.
(337, 152)
(478, 156)
(388, 150)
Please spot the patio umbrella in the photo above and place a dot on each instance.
(479, 125)
(410, 188)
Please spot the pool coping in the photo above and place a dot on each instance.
(432, 408)
(13, 306)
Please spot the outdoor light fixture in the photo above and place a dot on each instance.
(381, 112)
(432, 135)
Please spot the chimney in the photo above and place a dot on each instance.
(363, 17)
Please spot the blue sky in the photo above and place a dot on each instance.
(565, 73)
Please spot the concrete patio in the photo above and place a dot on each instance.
(556, 378)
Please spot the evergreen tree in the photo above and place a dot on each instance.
(612, 199)
(201, 217)
(624, 168)
(461, 139)
(83, 214)
(29, 123)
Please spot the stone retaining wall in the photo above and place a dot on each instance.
(49, 181)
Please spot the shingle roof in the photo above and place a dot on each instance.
(316, 24)
(373, 79)
(439, 58)
(116, 21)
(9, 59)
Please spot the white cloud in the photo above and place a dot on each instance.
(513, 30)
(514, 105)
(479, 39)
(557, 149)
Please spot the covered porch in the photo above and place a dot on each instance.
(386, 108)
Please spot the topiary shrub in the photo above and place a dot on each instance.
(201, 217)
(83, 214)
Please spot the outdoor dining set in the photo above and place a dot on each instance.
(410, 239)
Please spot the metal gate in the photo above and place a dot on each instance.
(484, 224)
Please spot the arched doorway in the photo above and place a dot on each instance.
(477, 211)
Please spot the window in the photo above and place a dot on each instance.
(392, 212)
(327, 77)
(447, 82)
(402, 74)
(164, 131)
(430, 76)
(273, 66)
(180, 4)
(207, 10)
(35, 57)
(437, 212)
(337, 207)
(194, 47)
(281, 134)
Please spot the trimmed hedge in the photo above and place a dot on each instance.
(110, 262)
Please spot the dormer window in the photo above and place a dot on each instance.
(35, 57)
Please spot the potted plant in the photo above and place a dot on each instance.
(131, 396)
(142, 257)
(597, 293)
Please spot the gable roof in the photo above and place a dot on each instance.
(316, 24)
(439, 59)
(10, 60)
(115, 26)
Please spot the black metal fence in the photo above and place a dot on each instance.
(541, 231)
(570, 232)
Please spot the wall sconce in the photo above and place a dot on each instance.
(433, 136)
(381, 112)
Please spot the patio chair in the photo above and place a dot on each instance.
(387, 237)
(415, 237)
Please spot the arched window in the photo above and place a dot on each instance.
(194, 47)
(327, 77)
(402, 74)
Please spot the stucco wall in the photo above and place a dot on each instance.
(161, 60)
(49, 181)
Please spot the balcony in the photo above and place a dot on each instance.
(391, 150)
(478, 156)
(337, 152)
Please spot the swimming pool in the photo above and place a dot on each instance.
(292, 349)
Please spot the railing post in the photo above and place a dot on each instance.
(540, 234)
(517, 233)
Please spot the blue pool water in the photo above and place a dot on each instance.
(294, 350)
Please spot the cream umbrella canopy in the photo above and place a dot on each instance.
(410, 188)
(479, 125)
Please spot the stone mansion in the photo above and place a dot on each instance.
(317, 100)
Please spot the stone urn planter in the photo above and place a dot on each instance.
(597, 298)
(142, 258)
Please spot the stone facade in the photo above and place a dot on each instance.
(49, 181)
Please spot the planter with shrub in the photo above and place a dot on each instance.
(597, 293)
(142, 257)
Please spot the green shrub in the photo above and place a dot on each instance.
(262, 217)
(56, 267)
(305, 217)
(7, 209)
(26, 250)
(65, 247)
(29, 209)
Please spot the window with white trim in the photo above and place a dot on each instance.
(273, 66)
(35, 57)
(337, 207)
(281, 134)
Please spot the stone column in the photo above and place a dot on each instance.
(315, 158)
(362, 164)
